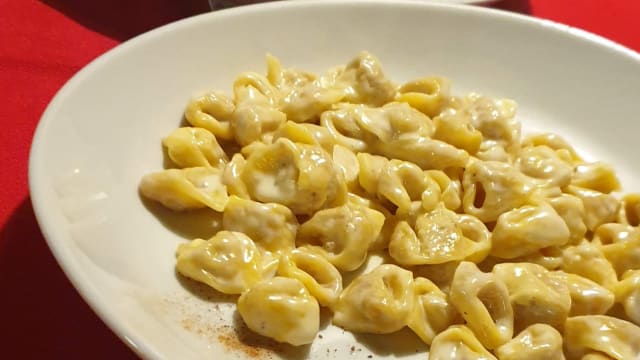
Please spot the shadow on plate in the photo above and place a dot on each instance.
(200, 223)
(204, 292)
(124, 19)
(42, 314)
(405, 342)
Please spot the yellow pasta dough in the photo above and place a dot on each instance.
(458, 342)
(398, 205)
(378, 302)
(536, 342)
(281, 308)
(230, 262)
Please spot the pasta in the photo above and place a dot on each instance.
(378, 302)
(440, 236)
(229, 262)
(342, 234)
(316, 273)
(299, 176)
(212, 112)
(627, 292)
(528, 229)
(616, 338)
(432, 312)
(483, 300)
(394, 206)
(587, 297)
(458, 342)
(271, 226)
(194, 147)
(536, 342)
(287, 300)
(185, 189)
(492, 188)
(536, 298)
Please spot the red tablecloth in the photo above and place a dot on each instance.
(42, 44)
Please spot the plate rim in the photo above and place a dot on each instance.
(37, 153)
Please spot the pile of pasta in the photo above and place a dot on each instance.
(496, 245)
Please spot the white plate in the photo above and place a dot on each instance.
(102, 132)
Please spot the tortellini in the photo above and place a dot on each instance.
(378, 302)
(614, 337)
(456, 129)
(630, 213)
(620, 244)
(627, 292)
(432, 312)
(272, 226)
(362, 128)
(429, 95)
(441, 274)
(535, 296)
(213, 112)
(449, 193)
(342, 234)
(299, 176)
(404, 184)
(545, 166)
(282, 309)
(193, 147)
(303, 95)
(365, 82)
(440, 236)
(458, 342)
(549, 257)
(527, 229)
(184, 189)
(310, 134)
(255, 115)
(491, 188)
(494, 118)
(229, 262)
(555, 142)
(596, 356)
(571, 210)
(398, 182)
(400, 205)
(491, 150)
(428, 153)
(588, 260)
(536, 342)
(600, 208)
(395, 130)
(596, 176)
(390, 221)
(587, 296)
(483, 300)
(317, 274)
(347, 163)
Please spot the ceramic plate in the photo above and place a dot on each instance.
(102, 132)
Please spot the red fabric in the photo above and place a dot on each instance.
(42, 44)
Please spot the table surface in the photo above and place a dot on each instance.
(42, 44)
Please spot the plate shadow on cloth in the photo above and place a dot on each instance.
(124, 19)
(42, 314)
(519, 6)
